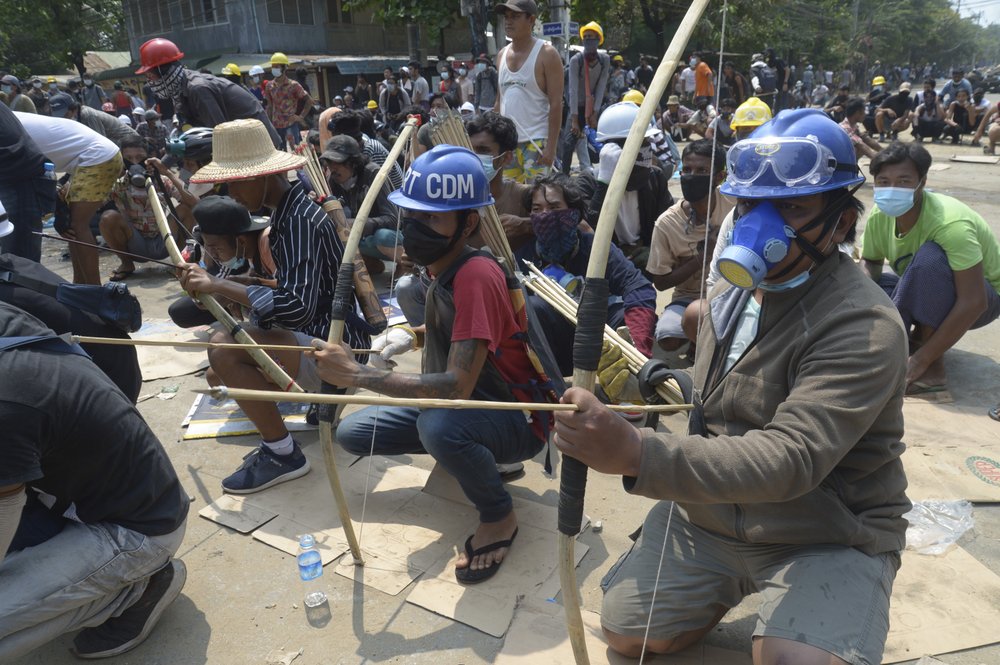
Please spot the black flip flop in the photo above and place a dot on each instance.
(469, 576)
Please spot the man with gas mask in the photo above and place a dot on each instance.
(201, 100)
(789, 481)
(292, 310)
(646, 196)
(473, 347)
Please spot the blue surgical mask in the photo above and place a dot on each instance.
(480, 67)
(491, 170)
(798, 280)
(277, 71)
(894, 201)
(234, 264)
(760, 241)
(444, 76)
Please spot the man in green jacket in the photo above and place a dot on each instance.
(789, 482)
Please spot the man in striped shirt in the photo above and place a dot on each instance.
(307, 254)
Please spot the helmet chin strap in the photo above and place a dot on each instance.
(829, 221)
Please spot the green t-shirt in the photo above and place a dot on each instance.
(957, 228)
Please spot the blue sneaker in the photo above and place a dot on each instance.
(262, 469)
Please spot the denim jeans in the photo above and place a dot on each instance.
(292, 133)
(468, 443)
(27, 202)
(369, 245)
(79, 578)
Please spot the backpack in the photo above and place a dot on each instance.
(767, 76)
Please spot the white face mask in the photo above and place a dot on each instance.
(53, 86)
(480, 67)
(463, 72)
(277, 71)
(88, 82)
(255, 80)
(444, 76)
(37, 85)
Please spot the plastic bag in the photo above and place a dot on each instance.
(937, 525)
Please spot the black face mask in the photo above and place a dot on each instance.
(424, 245)
(695, 188)
(638, 179)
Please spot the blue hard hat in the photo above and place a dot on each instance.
(444, 178)
(798, 153)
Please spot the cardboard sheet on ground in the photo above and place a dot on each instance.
(397, 548)
(489, 606)
(283, 534)
(236, 513)
(975, 159)
(538, 635)
(942, 604)
(953, 452)
(210, 418)
(162, 362)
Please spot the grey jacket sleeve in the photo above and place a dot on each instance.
(838, 389)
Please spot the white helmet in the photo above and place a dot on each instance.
(256, 70)
(616, 122)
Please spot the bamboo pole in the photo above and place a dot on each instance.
(193, 344)
(573, 476)
(273, 371)
(222, 392)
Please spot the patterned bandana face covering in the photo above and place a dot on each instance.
(169, 85)
(555, 232)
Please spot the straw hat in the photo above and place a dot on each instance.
(241, 150)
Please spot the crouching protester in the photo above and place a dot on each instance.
(789, 482)
(91, 511)
(293, 310)
(474, 347)
(944, 261)
(562, 251)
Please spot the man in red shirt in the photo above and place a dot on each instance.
(473, 348)
(286, 100)
(704, 79)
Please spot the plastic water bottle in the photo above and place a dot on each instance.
(49, 219)
(310, 568)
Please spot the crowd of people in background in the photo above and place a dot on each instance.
(225, 154)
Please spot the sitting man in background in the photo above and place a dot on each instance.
(864, 144)
(945, 261)
(681, 239)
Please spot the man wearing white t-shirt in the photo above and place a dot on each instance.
(94, 163)
(531, 91)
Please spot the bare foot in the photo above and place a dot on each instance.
(489, 532)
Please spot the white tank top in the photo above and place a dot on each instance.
(523, 101)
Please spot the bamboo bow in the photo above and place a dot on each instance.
(343, 302)
(589, 331)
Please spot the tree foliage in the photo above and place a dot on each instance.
(53, 35)
(825, 32)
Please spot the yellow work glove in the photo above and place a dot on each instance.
(612, 371)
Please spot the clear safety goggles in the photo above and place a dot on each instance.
(793, 161)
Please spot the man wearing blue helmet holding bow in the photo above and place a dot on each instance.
(474, 347)
(789, 482)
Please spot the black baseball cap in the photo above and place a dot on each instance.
(340, 148)
(223, 216)
(524, 6)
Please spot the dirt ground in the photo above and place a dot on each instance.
(243, 601)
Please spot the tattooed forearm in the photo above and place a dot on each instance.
(465, 361)
(436, 386)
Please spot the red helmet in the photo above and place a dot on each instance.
(157, 52)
